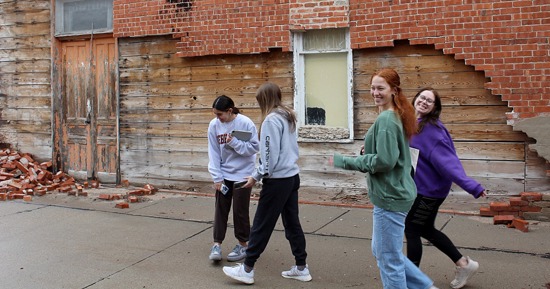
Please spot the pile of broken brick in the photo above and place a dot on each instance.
(517, 212)
(21, 177)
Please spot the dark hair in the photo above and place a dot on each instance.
(403, 108)
(433, 116)
(224, 103)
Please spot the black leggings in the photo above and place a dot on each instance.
(420, 223)
(279, 197)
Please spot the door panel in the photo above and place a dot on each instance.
(89, 98)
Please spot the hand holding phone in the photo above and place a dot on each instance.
(224, 189)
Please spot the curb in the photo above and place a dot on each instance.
(332, 204)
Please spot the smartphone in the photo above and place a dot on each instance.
(238, 185)
(224, 189)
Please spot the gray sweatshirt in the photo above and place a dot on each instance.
(233, 160)
(278, 149)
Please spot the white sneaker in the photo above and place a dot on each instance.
(462, 274)
(215, 253)
(238, 273)
(294, 273)
(238, 253)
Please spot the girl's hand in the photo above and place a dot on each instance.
(249, 183)
(331, 160)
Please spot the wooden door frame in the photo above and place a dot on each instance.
(58, 110)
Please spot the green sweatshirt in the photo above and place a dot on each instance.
(387, 162)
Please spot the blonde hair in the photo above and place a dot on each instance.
(270, 100)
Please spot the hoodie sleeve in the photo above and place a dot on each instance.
(383, 159)
(270, 140)
(214, 155)
(246, 148)
(446, 162)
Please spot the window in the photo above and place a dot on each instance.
(323, 93)
(73, 17)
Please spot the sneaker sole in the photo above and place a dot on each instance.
(306, 278)
(235, 258)
(240, 279)
(215, 258)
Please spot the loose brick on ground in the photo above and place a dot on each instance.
(122, 205)
(503, 219)
(520, 224)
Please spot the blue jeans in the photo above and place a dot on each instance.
(396, 270)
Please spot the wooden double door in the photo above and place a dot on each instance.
(88, 117)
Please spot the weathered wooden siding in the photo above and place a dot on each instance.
(490, 150)
(25, 93)
(166, 107)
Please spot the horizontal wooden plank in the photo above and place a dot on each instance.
(536, 185)
(487, 132)
(467, 132)
(242, 101)
(11, 6)
(25, 66)
(26, 78)
(197, 130)
(495, 169)
(28, 126)
(35, 28)
(29, 114)
(18, 42)
(421, 62)
(465, 150)
(170, 60)
(185, 144)
(189, 88)
(28, 102)
(453, 96)
(504, 186)
(17, 15)
(436, 80)
(164, 74)
(29, 90)
(450, 114)
(139, 46)
(26, 53)
(498, 151)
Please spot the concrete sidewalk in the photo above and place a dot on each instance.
(59, 241)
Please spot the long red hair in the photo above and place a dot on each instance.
(404, 108)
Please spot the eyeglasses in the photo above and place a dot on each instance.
(427, 100)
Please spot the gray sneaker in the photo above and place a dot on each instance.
(296, 274)
(215, 253)
(238, 253)
(462, 274)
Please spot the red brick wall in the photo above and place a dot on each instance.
(508, 40)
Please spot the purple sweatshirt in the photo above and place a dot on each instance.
(438, 165)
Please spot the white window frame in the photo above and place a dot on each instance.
(299, 83)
